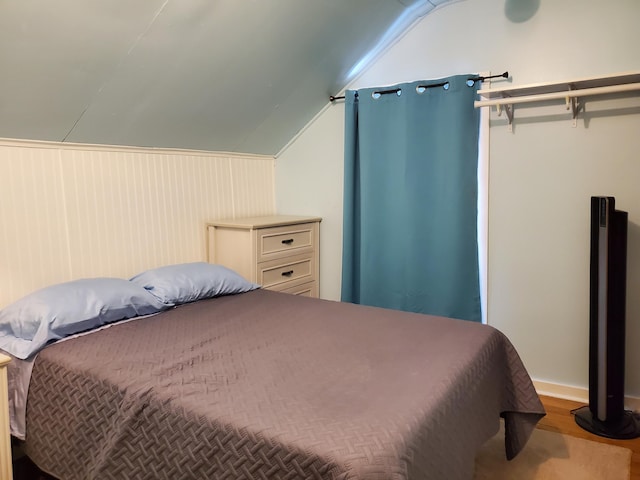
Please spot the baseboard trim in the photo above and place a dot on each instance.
(577, 394)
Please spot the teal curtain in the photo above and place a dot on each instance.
(410, 198)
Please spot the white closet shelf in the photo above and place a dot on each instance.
(569, 91)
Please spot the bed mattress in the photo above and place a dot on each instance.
(274, 386)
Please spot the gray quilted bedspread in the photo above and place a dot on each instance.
(266, 385)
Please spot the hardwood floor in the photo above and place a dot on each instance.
(559, 419)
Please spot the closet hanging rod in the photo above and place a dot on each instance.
(395, 90)
(567, 94)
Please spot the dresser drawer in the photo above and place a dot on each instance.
(276, 242)
(309, 289)
(287, 272)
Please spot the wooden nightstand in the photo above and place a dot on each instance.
(280, 252)
(5, 438)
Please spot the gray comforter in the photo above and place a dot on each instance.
(265, 385)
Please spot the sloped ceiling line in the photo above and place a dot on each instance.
(131, 48)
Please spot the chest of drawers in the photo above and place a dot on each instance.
(279, 252)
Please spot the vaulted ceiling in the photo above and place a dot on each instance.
(223, 75)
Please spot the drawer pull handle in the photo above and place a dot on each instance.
(287, 274)
(288, 241)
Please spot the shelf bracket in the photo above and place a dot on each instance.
(575, 105)
(508, 110)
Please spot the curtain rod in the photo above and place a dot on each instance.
(396, 90)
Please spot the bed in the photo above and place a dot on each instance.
(260, 384)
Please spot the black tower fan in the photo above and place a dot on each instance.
(605, 415)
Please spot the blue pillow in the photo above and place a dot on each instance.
(188, 282)
(58, 311)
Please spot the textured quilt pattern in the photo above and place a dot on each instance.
(265, 385)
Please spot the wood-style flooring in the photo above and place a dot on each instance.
(559, 419)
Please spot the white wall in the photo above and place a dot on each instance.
(541, 175)
(74, 211)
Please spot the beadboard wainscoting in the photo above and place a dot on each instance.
(71, 211)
